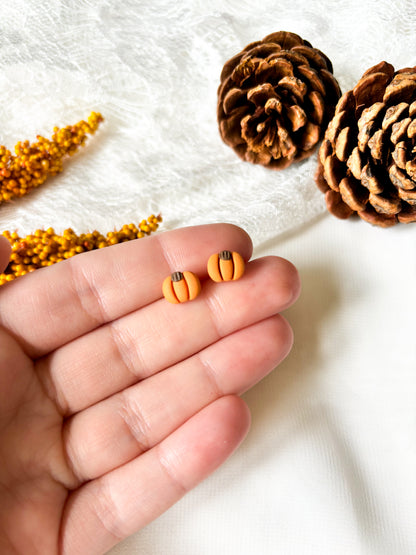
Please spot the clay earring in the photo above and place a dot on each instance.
(225, 266)
(180, 287)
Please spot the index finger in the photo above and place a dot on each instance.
(54, 305)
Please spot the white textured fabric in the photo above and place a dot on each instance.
(329, 466)
(152, 69)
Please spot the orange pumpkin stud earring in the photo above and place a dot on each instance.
(181, 287)
(225, 266)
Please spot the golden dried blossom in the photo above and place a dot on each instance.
(32, 163)
(45, 247)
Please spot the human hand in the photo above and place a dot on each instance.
(113, 402)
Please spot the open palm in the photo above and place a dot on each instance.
(113, 402)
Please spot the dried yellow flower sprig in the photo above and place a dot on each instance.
(33, 163)
(45, 247)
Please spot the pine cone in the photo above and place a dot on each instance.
(275, 100)
(367, 161)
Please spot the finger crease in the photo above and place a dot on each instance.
(125, 347)
(215, 308)
(211, 375)
(84, 292)
(165, 464)
(135, 422)
(50, 388)
(104, 508)
(165, 253)
(70, 459)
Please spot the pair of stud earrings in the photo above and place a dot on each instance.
(180, 287)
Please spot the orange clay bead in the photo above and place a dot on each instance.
(225, 266)
(181, 287)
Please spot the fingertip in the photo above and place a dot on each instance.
(245, 239)
(230, 421)
(286, 337)
(287, 280)
(237, 413)
(294, 277)
(206, 441)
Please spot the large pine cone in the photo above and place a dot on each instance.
(275, 100)
(368, 157)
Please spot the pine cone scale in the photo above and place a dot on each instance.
(284, 39)
(408, 195)
(399, 179)
(297, 116)
(399, 130)
(311, 77)
(370, 89)
(310, 137)
(316, 107)
(370, 180)
(230, 128)
(342, 144)
(292, 86)
(234, 99)
(399, 156)
(411, 130)
(315, 57)
(347, 189)
(393, 114)
(261, 94)
(402, 87)
(411, 168)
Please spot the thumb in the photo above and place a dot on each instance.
(5, 251)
